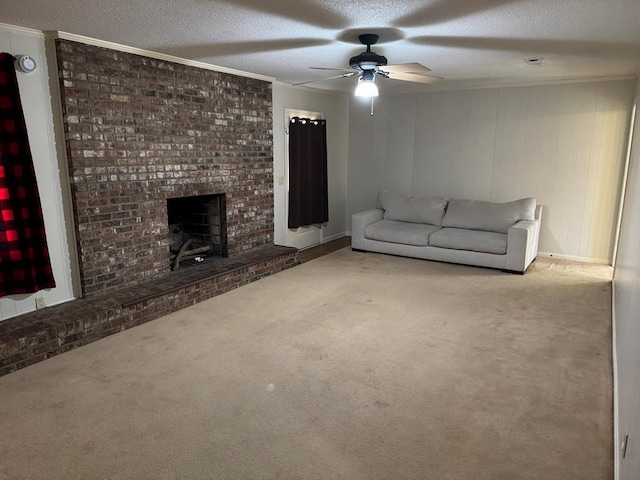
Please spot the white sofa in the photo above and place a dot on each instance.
(471, 232)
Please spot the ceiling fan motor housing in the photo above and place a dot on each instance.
(367, 61)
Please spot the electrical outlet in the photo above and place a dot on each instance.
(40, 303)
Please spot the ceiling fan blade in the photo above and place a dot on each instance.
(414, 77)
(344, 75)
(332, 69)
(405, 67)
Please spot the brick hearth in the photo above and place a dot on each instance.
(36, 336)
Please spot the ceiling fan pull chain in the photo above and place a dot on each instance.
(372, 105)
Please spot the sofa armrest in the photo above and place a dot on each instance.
(522, 243)
(359, 222)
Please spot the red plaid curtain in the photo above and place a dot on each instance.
(24, 257)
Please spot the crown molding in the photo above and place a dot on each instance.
(158, 56)
(23, 30)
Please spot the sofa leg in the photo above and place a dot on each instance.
(514, 272)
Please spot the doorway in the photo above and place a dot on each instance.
(307, 236)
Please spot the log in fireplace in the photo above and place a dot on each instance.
(197, 229)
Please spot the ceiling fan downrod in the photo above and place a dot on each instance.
(368, 39)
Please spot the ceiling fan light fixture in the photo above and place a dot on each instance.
(366, 86)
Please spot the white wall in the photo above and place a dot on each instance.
(563, 144)
(36, 103)
(627, 317)
(335, 109)
(381, 150)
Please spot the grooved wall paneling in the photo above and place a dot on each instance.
(36, 104)
(335, 109)
(626, 281)
(563, 144)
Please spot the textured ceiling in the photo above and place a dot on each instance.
(467, 42)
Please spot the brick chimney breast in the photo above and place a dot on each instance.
(140, 131)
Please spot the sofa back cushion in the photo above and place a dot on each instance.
(401, 208)
(488, 216)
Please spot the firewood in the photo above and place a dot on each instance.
(183, 248)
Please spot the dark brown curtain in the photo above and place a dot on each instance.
(24, 257)
(308, 197)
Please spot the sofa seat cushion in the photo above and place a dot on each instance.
(400, 232)
(412, 209)
(488, 216)
(475, 240)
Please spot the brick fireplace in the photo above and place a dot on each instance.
(150, 143)
(141, 131)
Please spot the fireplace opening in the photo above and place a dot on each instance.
(197, 229)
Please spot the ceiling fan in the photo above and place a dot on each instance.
(368, 65)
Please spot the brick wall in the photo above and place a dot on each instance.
(139, 131)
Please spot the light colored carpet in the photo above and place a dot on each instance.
(353, 366)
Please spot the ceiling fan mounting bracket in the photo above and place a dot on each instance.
(367, 60)
(368, 39)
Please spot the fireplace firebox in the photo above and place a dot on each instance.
(197, 229)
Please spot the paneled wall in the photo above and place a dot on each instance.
(335, 109)
(36, 103)
(564, 144)
(627, 319)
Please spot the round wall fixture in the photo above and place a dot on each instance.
(26, 64)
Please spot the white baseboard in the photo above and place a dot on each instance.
(330, 238)
(599, 261)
